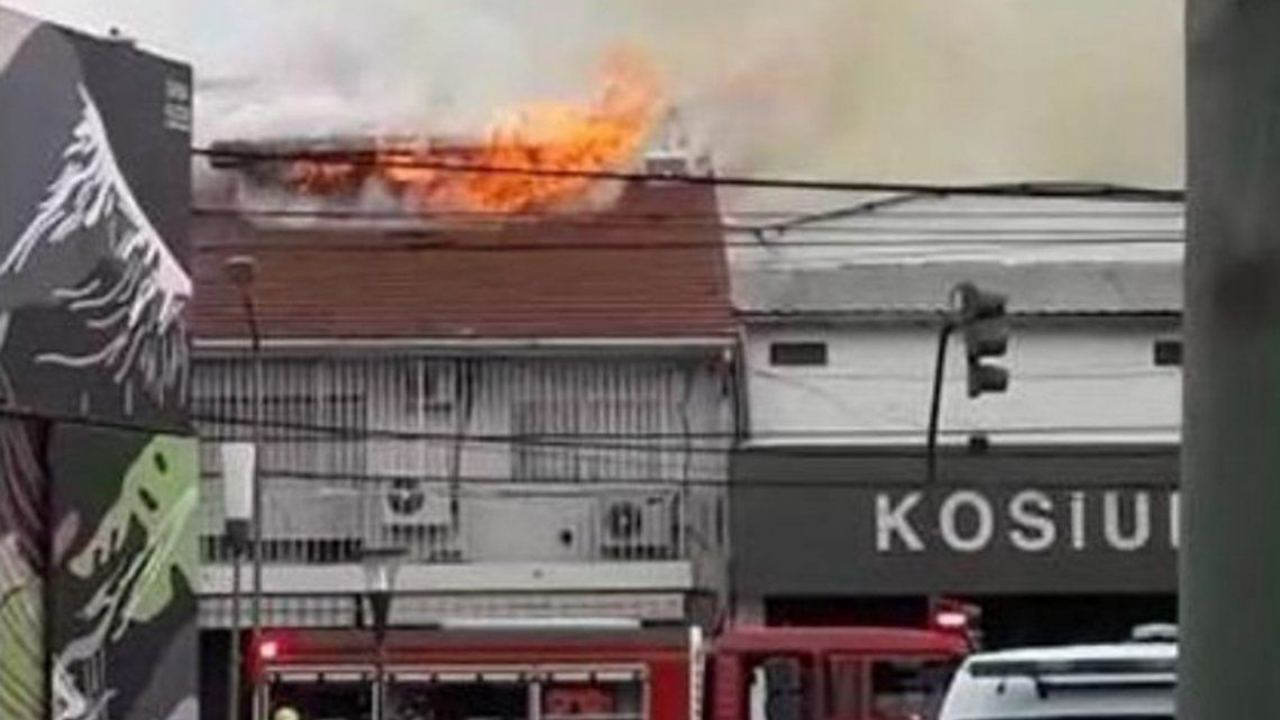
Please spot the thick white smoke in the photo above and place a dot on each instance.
(916, 89)
(908, 89)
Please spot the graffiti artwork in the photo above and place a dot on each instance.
(97, 468)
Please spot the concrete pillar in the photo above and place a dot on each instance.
(1230, 557)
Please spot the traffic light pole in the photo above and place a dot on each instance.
(1230, 550)
(935, 406)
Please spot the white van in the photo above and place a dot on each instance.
(1122, 681)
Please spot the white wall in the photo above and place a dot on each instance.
(1080, 380)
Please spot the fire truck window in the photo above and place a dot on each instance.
(844, 688)
(324, 699)
(593, 700)
(780, 688)
(908, 689)
(459, 701)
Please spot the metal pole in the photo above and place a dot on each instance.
(380, 681)
(935, 407)
(1229, 570)
(256, 437)
(380, 604)
(233, 692)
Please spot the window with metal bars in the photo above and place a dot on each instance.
(583, 440)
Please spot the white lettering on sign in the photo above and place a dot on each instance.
(1175, 519)
(948, 521)
(1077, 521)
(1032, 515)
(1139, 534)
(1030, 521)
(893, 520)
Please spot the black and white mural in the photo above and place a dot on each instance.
(98, 478)
(94, 187)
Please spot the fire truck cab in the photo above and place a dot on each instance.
(832, 673)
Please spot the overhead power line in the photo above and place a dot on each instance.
(418, 233)
(424, 237)
(595, 487)
(795, 222)
(636, 442)
(26, 413)
(427, 244)
(373, 159)
(805, 216)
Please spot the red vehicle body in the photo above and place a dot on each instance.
(662, 673)
(833, 673)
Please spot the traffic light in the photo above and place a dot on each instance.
(981, 316)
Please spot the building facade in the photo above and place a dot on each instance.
(1053, 500)
(537, 411)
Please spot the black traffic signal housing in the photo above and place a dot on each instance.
(981, 316)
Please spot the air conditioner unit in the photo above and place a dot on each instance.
(640, 526)
(415, 503)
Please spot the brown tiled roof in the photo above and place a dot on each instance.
(516, 279)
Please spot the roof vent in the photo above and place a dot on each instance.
(1156, 633)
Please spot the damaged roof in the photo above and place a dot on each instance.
(562, 276)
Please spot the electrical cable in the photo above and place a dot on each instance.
(577, 441)
(375, 159)
(595, 486)
(643, 221)
(392, 246)
(20, 412)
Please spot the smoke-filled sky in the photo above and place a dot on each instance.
(956, 90)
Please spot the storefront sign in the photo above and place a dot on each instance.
(1028, 521)
(1017, 521)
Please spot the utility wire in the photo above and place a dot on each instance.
(804, 217)
(595, 486)
(649, 221)
(611, 442)
(390, 245)
(373, 159)
(425, 236)
(402, 239)
(22, 412)
(792, 222)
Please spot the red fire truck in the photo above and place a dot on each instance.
(604, 671)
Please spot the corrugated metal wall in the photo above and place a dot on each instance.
(476, 460)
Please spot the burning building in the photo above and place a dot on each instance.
(552, 143)
(526, 382)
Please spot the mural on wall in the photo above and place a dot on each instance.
(123, 586)
(94, 195)
(98, 492)
(22, 631)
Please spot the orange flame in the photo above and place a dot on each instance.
(605, 133)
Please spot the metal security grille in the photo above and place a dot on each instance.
(464, 459)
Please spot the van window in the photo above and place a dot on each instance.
(908, 689)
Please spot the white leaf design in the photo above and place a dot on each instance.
(137, 316)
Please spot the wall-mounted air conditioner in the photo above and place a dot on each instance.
(415, 503)
(640, 526)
